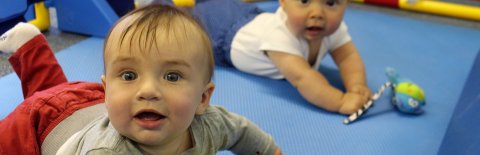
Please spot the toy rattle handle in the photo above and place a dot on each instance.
(366, 106)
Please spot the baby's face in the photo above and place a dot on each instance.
(153, 95)
(313, 19)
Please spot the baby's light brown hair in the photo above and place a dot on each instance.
(161, 24)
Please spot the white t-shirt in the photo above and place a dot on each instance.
(268, 32)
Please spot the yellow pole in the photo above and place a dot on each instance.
(442, 8)
(42, 17)
(184, 3)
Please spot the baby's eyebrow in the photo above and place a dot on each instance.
(177, 63)
(123, 59)
(174, 62)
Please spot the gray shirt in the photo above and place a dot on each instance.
(212, 131)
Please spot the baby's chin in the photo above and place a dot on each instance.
(148, 139)
(311, 38)
(156, 137)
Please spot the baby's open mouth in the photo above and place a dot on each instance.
(314, 28)
(150, 119)
(149, 116)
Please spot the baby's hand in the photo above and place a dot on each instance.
(352, 102)
(278, 152)
(362, 90)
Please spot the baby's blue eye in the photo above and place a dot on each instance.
(331, 2)
(172, 77)
(129, 76)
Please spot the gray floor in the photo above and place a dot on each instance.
(59, 40)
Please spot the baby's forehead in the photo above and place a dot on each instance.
(160, 47)
(175, 31)
(146, 33)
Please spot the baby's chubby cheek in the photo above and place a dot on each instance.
(184, 108)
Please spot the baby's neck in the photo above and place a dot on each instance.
(177, 146)
(313, 48)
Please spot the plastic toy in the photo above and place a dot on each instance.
(30, 11)
(430, 6)
(184, 3)
(42, 20)
(90, 17)
(407, 97)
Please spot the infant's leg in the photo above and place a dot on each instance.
(33, 60)
(24, 130)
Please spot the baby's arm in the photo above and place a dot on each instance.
(352, 69)
(314, 87)
(311, 84)
(244, 137)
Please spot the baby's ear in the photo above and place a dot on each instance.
(103, 82)
(205, 102)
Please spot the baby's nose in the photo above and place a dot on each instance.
(148, 92)
(316, 11)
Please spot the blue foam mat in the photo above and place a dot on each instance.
(462, 136)
(437, 57)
